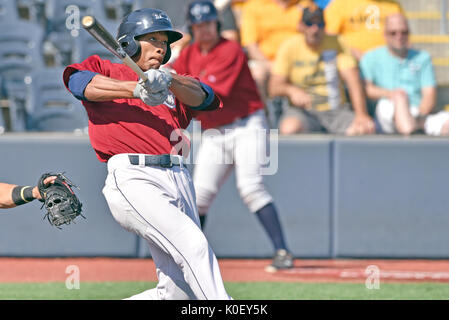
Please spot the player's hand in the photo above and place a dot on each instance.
(300, 98)
(47, 181)
(362, 124)
(152, 98)
(158, 80)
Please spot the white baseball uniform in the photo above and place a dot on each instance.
(142, 199)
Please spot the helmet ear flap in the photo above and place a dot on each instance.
(167, 55)
(130, 45)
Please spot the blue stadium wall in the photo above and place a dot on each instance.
(371, 197)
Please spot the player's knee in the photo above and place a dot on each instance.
(291, 126)
(204, 198)
(254, 196)
(199, 247)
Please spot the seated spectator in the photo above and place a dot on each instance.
(402, 81)
(308, 70)
(359, 22)
(265, 24)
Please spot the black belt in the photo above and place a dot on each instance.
(162, 160)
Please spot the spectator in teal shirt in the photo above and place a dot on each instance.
(402, 81)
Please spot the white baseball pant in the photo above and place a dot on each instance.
(158, 204)
(240, 144)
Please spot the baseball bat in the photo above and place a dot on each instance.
(96, 29)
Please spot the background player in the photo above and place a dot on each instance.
(12, 195)
(222, 64)
(149, 191)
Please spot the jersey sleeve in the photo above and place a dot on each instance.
(248, 28)
(365, 66)
(345, 60)
(93, 63)
(427, 73)
(281, 66)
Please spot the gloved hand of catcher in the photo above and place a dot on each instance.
(61, 203)
(154, 90)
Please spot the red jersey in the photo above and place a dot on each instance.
(129, 125)
(225, 69)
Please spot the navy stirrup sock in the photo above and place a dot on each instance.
(268, 217)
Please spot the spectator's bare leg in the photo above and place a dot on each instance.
(291, 126)
(404, 121)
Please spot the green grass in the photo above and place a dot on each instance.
(238, 290)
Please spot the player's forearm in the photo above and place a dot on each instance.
(12, 195)
(6, 195)
(102, 88)
(187, 90)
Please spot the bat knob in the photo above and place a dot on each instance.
(88, 21)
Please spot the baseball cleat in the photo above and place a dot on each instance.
(281, 261)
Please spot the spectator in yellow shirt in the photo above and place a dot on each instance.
(359, 22)
(308, 70)
(265, 24)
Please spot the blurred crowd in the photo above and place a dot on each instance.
(326, 66)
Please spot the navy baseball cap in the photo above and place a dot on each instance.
(201, 11)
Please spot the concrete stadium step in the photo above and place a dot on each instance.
(421, 5)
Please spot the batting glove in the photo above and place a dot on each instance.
(150, 98)
(157, 80)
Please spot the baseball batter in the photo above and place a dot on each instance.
(148, 189)
(222, 64)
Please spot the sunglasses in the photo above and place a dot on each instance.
(319, 24)
(394, 33)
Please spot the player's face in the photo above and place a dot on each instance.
(205, 32)
(397, 35)
(153, 49)
(313, 32)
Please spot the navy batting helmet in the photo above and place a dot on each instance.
(141, 22)
(201, 11)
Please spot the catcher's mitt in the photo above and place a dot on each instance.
(61, 203)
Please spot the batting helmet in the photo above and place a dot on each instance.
(141, 22)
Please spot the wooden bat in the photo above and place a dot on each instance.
(94, 27)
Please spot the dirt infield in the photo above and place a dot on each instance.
(109, 269)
